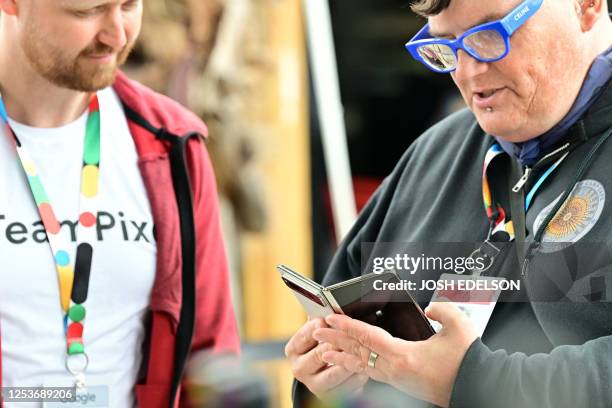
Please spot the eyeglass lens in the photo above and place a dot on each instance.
(439, 56)
(486, 44)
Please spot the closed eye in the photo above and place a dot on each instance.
(89, 12)
(130, 4)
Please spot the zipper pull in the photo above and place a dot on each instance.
(528, 255)
(519, 184)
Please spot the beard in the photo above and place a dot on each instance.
(80, 72)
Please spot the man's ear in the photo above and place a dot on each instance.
(8, 7)
(589, 11)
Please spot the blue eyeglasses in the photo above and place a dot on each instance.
(488, 42)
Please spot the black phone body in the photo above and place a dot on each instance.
(393, 310)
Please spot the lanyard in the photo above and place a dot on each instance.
(73, 273)
(495, 212)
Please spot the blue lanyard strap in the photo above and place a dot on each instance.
(538, 183)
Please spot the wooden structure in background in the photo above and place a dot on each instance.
(270, 310)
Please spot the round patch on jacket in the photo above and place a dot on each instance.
(576, 217)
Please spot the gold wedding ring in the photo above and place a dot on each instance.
(372, 359)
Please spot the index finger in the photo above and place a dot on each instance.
(302, 341)
(372, 337)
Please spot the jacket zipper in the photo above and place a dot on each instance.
(529, 170)
(583, 166)
(521, 182)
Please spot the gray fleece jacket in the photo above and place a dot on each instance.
(554, 350)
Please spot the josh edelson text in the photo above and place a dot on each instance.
(468, 284)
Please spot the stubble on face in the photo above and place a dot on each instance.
(78, 71)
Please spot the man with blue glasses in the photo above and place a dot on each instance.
(529, 164)
(488, 42)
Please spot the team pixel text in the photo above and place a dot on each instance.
(16, 232)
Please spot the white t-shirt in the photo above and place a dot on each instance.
(123, 266)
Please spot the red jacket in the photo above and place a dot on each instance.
(156, 123)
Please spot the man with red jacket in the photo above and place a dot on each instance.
(113, 269)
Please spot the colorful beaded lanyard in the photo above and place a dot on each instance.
(73, 274)
(496, 213)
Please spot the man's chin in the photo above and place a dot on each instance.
(507, 133)
(93, 74)
(497, 124)
(85, 81)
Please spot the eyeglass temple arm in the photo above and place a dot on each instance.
(420, 35)
(519, 15)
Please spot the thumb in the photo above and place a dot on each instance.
(445, 313)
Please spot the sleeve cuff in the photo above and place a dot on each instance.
(468, 388)
(301, 396)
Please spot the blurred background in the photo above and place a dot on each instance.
(244, 67)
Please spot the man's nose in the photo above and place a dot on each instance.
(468, 66)
(113, 31)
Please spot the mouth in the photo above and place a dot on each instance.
(487, 98)
(486, 93)
(101, 58)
